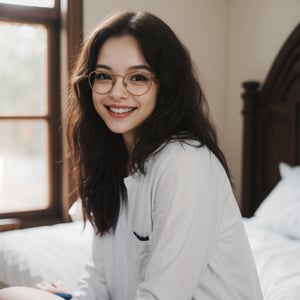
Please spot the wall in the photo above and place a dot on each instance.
(257, 29)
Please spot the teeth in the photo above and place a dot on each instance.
(120, 110)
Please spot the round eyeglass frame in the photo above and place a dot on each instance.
(89, 77)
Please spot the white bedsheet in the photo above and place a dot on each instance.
(44, 253)
(61, 251)
(277, 259)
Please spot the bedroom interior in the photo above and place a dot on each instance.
(268, 191)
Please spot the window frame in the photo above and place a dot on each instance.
(56, 21)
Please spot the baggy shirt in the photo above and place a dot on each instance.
(179, 236)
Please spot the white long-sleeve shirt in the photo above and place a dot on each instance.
(180, 236)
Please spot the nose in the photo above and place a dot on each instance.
(118, 90)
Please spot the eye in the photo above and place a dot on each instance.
(102, 76)
(139, 77)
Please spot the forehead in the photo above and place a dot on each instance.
(120, 53)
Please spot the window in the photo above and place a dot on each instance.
(31, 169)
(37, 3)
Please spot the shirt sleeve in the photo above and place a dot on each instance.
(185, 208)
(92, 285)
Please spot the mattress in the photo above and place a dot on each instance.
(277, 259)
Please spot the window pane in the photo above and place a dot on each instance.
(24, 170)
(38, 3)
(23, 61)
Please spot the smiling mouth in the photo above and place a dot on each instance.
(120, 110)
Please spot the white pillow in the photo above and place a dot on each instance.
(285, 170)
(280, 211)
(75, 211)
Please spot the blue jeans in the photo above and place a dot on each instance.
(66, 296)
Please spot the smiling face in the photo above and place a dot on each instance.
(121, 111)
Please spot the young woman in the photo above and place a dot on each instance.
(152, 178)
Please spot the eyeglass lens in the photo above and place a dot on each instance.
(136, 83)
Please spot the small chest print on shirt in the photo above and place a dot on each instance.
(141, 238)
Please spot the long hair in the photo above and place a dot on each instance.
(181, 112)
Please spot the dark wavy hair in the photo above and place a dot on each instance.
(99, 155)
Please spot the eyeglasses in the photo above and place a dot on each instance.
(136, 83)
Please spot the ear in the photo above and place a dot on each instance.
(284, 169)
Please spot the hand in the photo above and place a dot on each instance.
(57, 286)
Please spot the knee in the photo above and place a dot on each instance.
(25, 293)
(9, 293)
(6, 293)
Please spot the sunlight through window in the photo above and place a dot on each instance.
(37, 3)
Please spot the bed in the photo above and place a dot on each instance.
(270, 195)
(270, 201)
(55, 252)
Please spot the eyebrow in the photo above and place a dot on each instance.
(136, 67)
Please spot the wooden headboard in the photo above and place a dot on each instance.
(271, 115)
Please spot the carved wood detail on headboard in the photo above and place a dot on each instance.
(271, 115)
